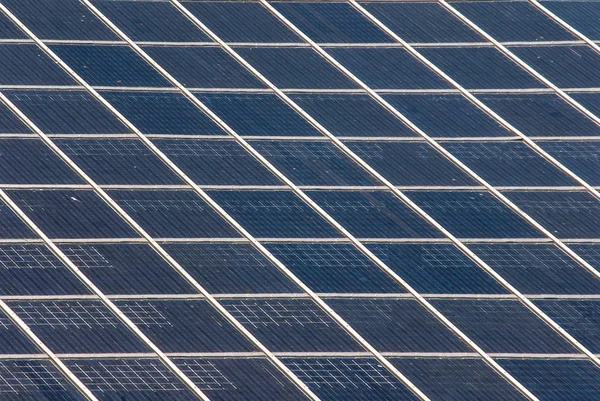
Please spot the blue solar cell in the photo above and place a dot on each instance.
(371, 214)
(257, 114)
(480, 68)
(332, 22)
(230, 268)
(8, 30)
(582, 158)
(351, 115)
(457, 379)
(291, 325)
(26, 64)
(564, 66)
(557, 379)
(406, 163)
(33, 270)
(74, 21)
(118, 161)
(513, 21)
(582, 15)
(72, 326)
(334, 268)
(216, 162)
(581, 318)
(12, 340)
(173, 214)
(230, 379)
(10, 123)
(537, 268)
(66, 112)
(241, 21)
(388, 68)
(541, 114)
(508, 163)
(30, 161)
(301, 68)
(185, 326)
(109, 65)
(151, 21)
(352, 379)
(126, 269)
(35, 380)
(436, 269)
(473, 215)
(162, 113)
(446, 115)
(313, 163)
(591, 101)
(130, 379)
(397, 325)
(273, 214)
(565, 214)
(422, 22)
(203, 67)
(71, 214)
(590, 252)
(502, 326)
(12, 226)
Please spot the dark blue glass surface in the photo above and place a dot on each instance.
(126, 269)
(8, 30)
(26, 64)
(257, 114)
(221, 162)
(173, 214)
(35, 380)
(590, 252)
(352, 379)
(185, 326)
(12, 340)
(77, 326)
(313, 163)
(422, 22)
(241, 21)
(352, 115)
(502, 326)
(118, 161)
(60, 19)
(436, 269)
(582, 15)
(473, 215)
(397, 325)
(30, 161)
(29, 269)
(446, 115)
(508, 163)
(10, 123)
(151, 21)
(557, 379)
(109, 65)
(332, 22)
(230, 268)
(457, 379)
(565, 214)
(66, 112)
(582, 158)
(12, 226)
(291, 325)
(162, 113)
(537, 268)
(229, 379)
(203, 67)
(334, 268)
(269, 214)
(388, 68)
(373, 214)
(480, 68)
(542, 114)
(301, 68)
(71, 214)
(410, 163)
(564, 66)
(514, 21)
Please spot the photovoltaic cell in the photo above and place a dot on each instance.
(582, 15)
(10, 123)
(26, 64)
(583, 158)
(12, 226)
(8, 30)
(12, 340)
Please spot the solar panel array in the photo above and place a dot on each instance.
(299, 200)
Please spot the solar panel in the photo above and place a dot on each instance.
(291, 200)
